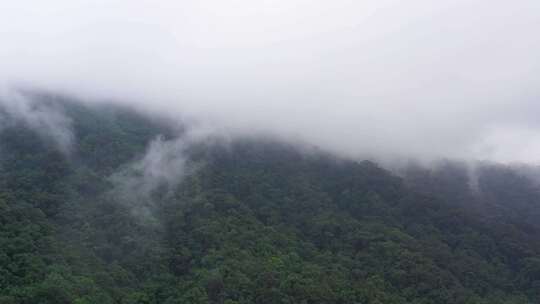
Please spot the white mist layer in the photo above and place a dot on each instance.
(381, 79)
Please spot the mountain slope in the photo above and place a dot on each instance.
(251, 221)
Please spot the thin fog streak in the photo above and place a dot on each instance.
(164, 165)
(45, 118)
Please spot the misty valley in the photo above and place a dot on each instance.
(101, 203)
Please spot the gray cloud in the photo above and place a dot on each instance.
(381, 79)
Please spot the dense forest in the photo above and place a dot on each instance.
(248, 220)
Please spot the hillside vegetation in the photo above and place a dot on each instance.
(251, 221)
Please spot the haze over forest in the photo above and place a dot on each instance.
(269, 152)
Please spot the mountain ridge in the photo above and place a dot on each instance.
(254, 221)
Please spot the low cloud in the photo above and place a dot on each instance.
(383, 79)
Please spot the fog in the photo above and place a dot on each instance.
(162, 167)
(382, 79)
(46, 119)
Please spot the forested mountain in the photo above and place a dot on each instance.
(133, 212)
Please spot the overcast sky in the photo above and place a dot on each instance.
(383, 78)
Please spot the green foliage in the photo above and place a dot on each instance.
(259, 222)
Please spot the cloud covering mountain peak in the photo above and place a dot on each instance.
(380, 79)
